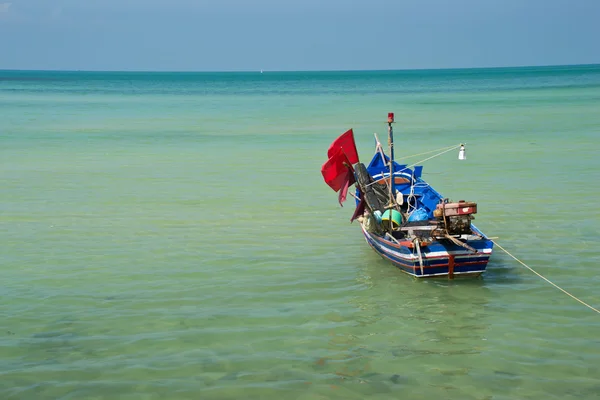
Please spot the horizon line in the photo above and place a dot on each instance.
(296, 71)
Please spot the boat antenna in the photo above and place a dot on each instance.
(392, 185)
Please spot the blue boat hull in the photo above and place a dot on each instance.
(436, 259)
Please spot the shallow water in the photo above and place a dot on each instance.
(170, 235)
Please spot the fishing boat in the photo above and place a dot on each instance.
(404, 219)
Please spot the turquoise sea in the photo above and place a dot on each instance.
(169, 236)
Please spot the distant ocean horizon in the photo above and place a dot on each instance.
(540, 66)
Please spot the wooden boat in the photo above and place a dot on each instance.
(404, 219)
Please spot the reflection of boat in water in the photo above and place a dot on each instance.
(404, 219)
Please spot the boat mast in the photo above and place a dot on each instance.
(391, 167)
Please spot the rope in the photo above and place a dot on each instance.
(429, 152)
(547, 280)
(419, 162)
(429, 158)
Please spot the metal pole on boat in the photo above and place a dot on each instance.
(391, 167)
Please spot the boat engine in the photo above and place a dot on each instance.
(456, 217)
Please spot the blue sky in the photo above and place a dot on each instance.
(234, 35)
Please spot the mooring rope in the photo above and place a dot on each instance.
(546, 279)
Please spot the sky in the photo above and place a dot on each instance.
(297, 35)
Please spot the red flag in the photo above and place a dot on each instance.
(337, 171)
(348, 180)
(346, 142)
(360, 208)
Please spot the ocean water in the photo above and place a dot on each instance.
(169, 236)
